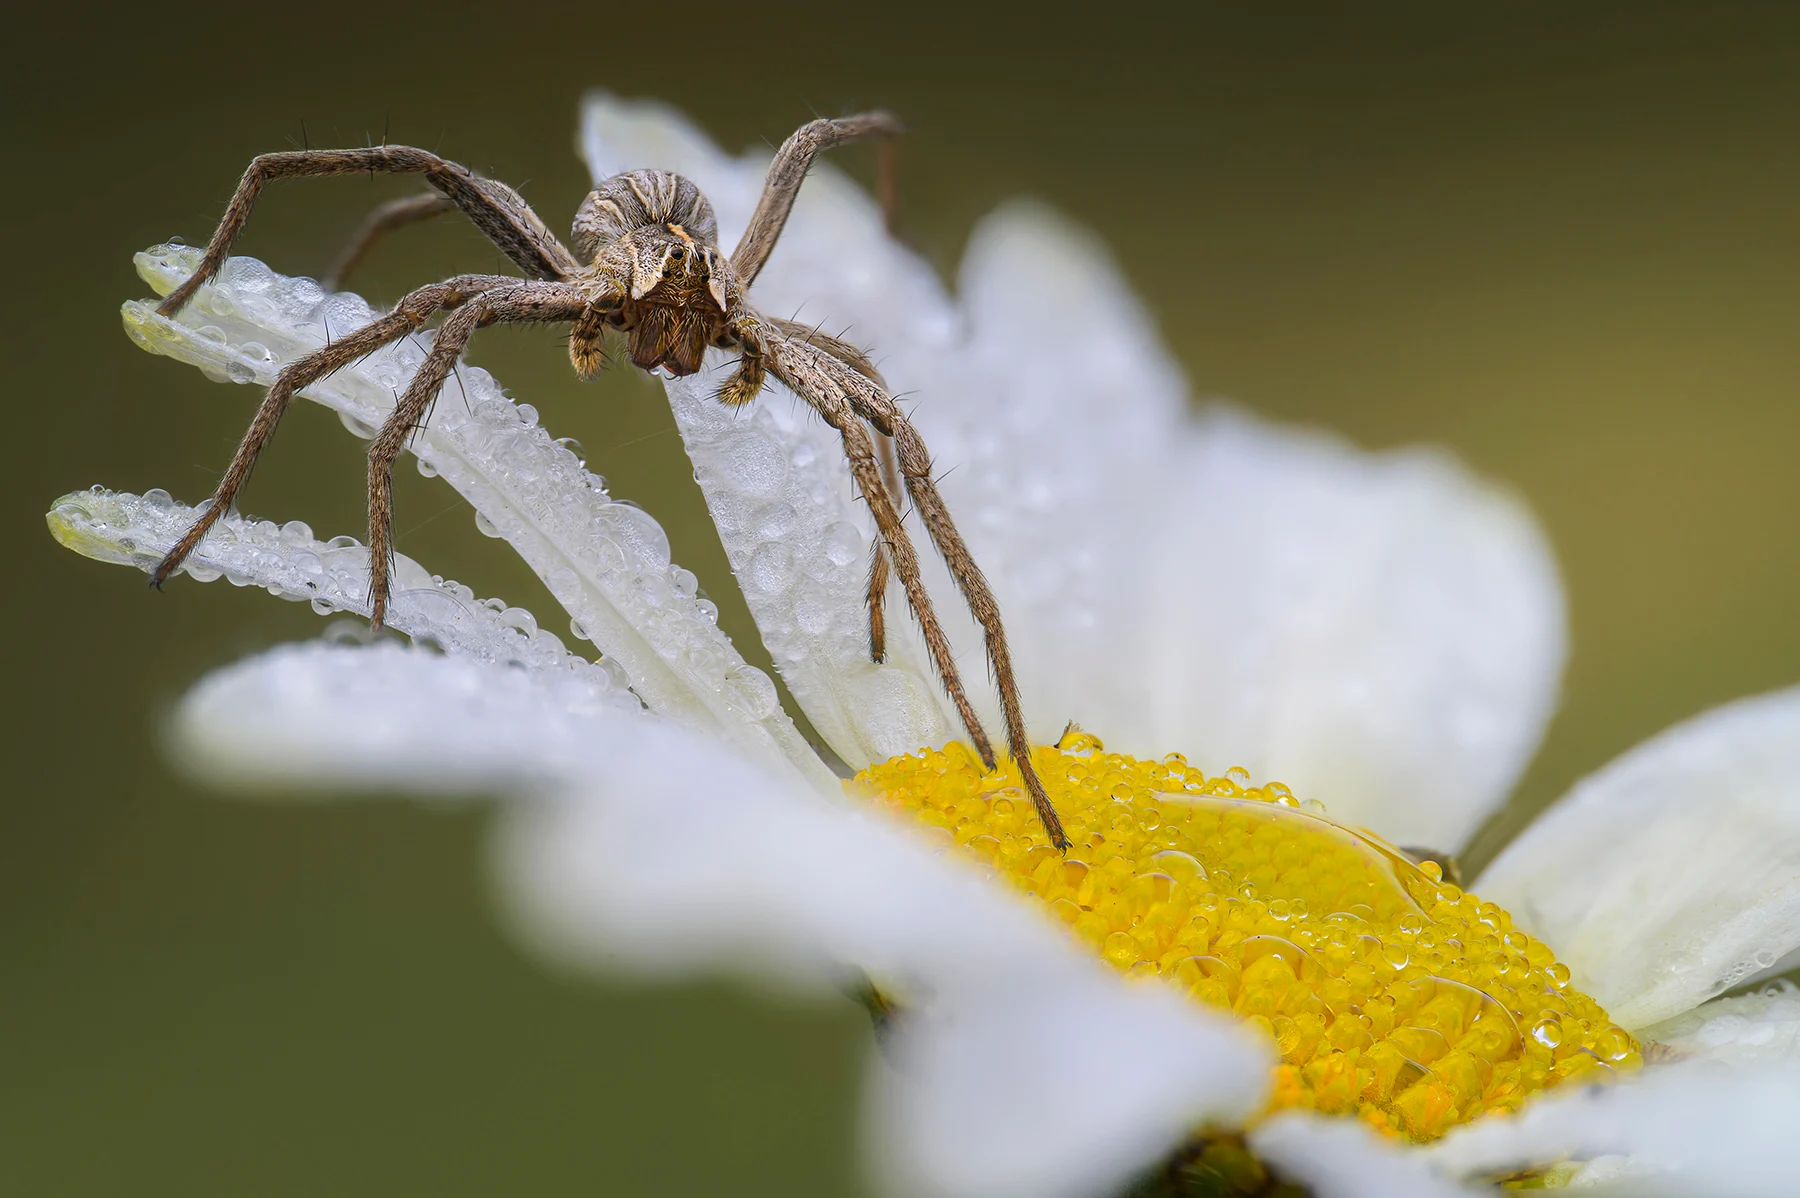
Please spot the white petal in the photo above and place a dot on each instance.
(1345, 1158)
(1043, 1091)
(606, 562)
(672, 855)
(1382, 632)
(1673, 873)
(798, 541)
(325, 715)
(289, 563)
(1694, 1129)
(1741, 1030)
(1022, 1065)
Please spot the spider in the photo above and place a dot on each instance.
(644, 260)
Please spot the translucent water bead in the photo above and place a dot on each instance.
(1389, 993)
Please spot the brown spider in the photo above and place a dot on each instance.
(646, 262)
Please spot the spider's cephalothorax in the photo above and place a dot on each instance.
(646, 261)
(650, 243)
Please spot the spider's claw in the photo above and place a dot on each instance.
(1045, 809)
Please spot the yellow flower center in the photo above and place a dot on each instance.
(1389, 992)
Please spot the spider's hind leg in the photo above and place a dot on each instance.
(493, 207)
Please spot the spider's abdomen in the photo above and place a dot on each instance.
(638, 198)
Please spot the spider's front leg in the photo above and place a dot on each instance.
(519, 302)
(408, 316)
(786, 174)
(836, 392)
(494, 208)
(869, 401)
(857, 360)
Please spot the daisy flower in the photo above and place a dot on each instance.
(1225, 985)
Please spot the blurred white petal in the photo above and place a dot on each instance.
(1673, 873)
(1345, 1158)
(1021, 1064)
(1047, 1087)
(336, 716)
(1742, 1030)
(1696, 1129)
(650, 848)
(1383, 632)
(606, 562)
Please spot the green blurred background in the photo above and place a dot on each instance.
(1561, 240)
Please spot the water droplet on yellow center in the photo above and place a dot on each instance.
(1390, 993)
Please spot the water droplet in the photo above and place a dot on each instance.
(843, 543)
(358, 428)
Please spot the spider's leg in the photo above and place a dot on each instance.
(875, 405)
(520, 302)
(876, 600)
(826, 396)
(496, 209)
(850, 355)
(786, 174)
(857, 360)
(408, 316)
(384, 219)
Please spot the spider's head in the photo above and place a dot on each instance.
(666, 264)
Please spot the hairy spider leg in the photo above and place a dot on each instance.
(786, 173)
(496, 209)
(853, 357)
(872, 403)
(408, 316)
(519, 302)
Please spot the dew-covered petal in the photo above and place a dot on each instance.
(286, 560)
(1697, 1129)
(606, 561)
(1741, 1030)
(773, 475)
(1673, 873)
(1345, 1158)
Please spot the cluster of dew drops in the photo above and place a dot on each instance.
(1390, 993)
